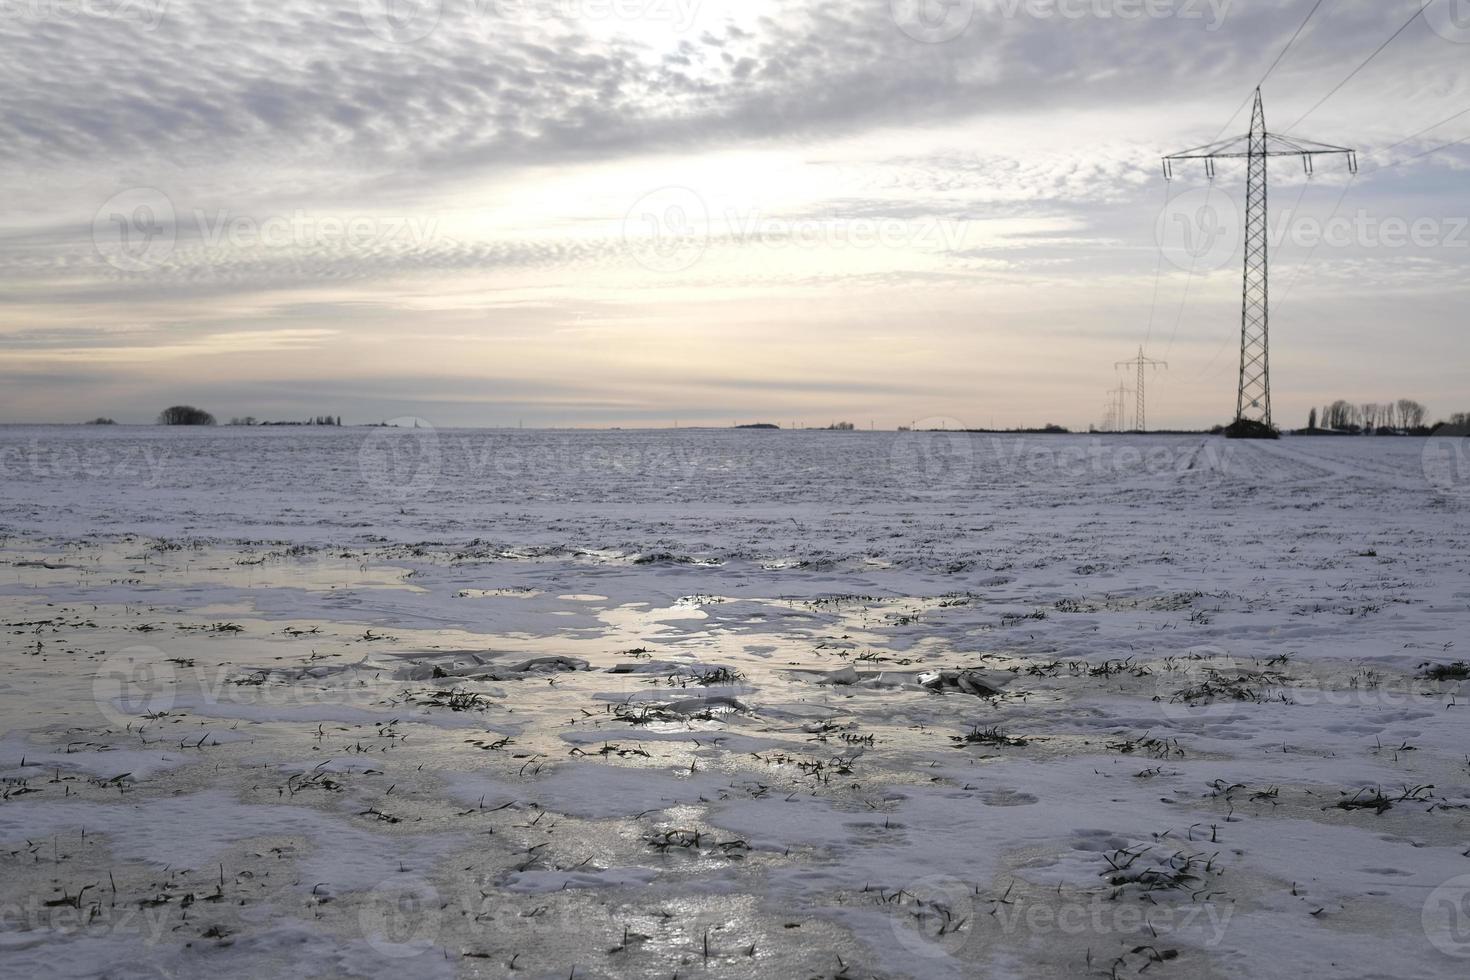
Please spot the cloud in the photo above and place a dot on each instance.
(520, 135)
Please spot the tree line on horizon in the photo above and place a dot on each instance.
(189, 415)
(1402, 416)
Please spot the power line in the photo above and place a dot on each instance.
(1352, 74)
(1301, 267)
(1426, 129)
(1140, 408)
(1189, 280)
(1347, 187)
(1246, 101)
(1420, 156)
(1158, 269)
(1184, 302)
(1253, 398)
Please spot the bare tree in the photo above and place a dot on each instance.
(1340, 415)
(185, 415)
(1370, 414)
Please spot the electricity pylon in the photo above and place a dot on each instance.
(1139, 415)
(1118, 402)
(1253, 402)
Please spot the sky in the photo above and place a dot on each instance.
(650, 212)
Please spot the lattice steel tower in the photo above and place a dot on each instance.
(1253, 402)
(1140, 417)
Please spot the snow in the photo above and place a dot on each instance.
(1215, 737)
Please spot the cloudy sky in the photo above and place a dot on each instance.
(631, 212)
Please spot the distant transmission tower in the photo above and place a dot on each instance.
(1253, 402)
(1139, 413)
(1119, 408)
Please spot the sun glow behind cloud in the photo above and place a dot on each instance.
(557, 212)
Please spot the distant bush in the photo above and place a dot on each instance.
(102, 420)
(185, 415)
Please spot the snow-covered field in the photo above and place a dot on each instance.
(388, 703)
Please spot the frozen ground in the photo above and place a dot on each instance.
(429, 703)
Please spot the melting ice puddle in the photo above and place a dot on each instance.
(511, 593)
